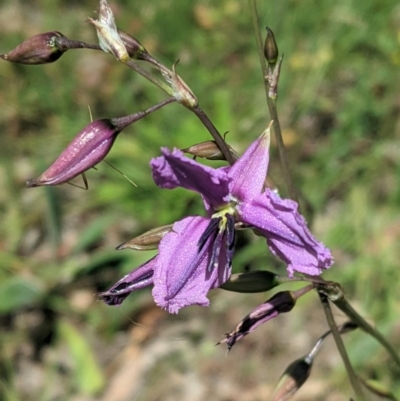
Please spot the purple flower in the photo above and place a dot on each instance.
(196, 255)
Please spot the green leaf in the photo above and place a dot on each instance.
(87, 375)
(17, 292)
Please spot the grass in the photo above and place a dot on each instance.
(338, 104)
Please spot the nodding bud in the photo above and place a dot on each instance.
(292, 379)
(107, 33)
(281, 302)
(86, 150)
(134, 48)
(208, 150)
(271, 51)
(44, 48)
(147, 241)
(39, 49)
(249, 282)
(89, 147)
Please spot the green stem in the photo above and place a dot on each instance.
(149, 76)
(340, 346)
(215, 134)
(271, 101)
(345, 307)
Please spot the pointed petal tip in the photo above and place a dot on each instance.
(266, 135)
(33, 183)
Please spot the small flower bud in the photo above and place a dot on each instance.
(271, 51)
(107, 32)
(292, 379)
(147, 241)
(39, 49)
(86, 150)
(208, 150)
(181, 92)
(134, 48)
(256, 281)
(281, 302)
(89, 147)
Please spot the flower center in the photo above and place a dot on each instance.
(221, 228)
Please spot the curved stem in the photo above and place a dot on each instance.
(340, 346)
(345, 307)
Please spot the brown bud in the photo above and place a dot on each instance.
(208, 150)
(147, 241)
(39, 49)
(271, 51)
(134, 48)
(180, 90)
(292, 379)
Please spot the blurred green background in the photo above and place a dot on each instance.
(339, 103)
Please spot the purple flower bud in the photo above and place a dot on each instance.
(87, 149)
(39, 49)
(44, 48)
(281, 302)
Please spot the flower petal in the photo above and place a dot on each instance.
(286, 232)
(249, 172)
(135, 280)
(173, 169)
(180, 277)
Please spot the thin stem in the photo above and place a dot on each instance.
(340, 346)
(123, 122)
(336, 294)
(271, 94)
(215, 134)
(345, 307)
(149, 76)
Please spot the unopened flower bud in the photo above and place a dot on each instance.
(134, 48)
(271, 51)
(256, 281)
(44, 48)
(292, 379)
(89, 147)
(147, 241)
(86, 150)
(39, 49)
(107, 32)
(208, 150)
(281, 302)
(181, 91)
